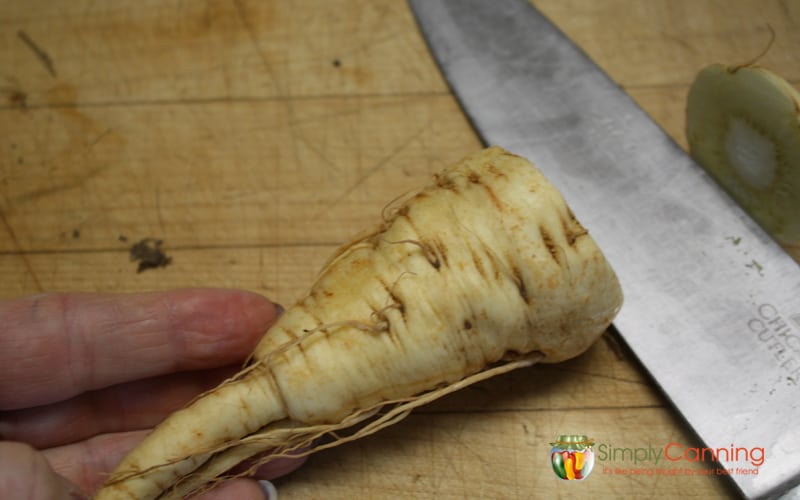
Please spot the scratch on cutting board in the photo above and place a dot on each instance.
(40, 53)
(71, 184)
(244, 18)
(20, 252)
(374, 168)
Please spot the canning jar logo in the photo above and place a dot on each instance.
(572, 457)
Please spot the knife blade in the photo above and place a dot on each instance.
(712, 303)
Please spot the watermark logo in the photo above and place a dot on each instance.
(676, 459)
(572, 457)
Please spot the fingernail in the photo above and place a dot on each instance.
(269, 490)
(77, 494)
(279, 309)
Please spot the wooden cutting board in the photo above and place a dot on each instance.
(253, 137)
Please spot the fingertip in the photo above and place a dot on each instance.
(221, 323)
(259, 303)
(252, 308)
(216, 327)
(26, 473)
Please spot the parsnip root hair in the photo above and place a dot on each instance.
(482, 272)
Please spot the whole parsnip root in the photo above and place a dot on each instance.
(483, 271)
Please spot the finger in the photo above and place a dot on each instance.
(88, 463)
(55, 346)
(124, 407)
(26, 473)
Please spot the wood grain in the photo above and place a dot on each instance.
(254, 137)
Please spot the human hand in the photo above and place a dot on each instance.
(84, 376)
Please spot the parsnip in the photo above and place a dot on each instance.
(484, 271)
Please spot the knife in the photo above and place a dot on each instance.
(712, 303)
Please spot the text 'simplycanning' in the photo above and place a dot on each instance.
(573, 457)
(676, 459)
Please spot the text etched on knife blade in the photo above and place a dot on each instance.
(779, 337)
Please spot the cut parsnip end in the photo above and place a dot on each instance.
(743, 127)
(751, 154)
